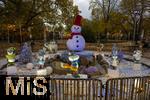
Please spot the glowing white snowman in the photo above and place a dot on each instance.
(137, 55)
(77, 41)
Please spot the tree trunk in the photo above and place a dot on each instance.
(8, 37)
(20, 33)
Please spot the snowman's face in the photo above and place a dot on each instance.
(10, 51)
(138, 52)
(76, 29)
(25, 45)
(41, 57)
(115, 57)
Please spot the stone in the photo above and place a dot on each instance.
(41, 72)
(58, 69)
(103, 69)
(98, 66)
(83, 76)
(49, 70)
(69, 75)
(83, 61)
(91, 69)
(82, 69)
(29, 66)
(63, 57)
(103, 64)
(99, 57)
(11, 70)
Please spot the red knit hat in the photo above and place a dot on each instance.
(78, 20)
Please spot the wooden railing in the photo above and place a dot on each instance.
(76, 89)
(133, 88)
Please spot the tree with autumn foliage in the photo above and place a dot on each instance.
(116, 19)
(29, 16)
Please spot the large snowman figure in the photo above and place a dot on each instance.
(77, 41)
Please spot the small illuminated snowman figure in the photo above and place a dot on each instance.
(74, 65)
(114, 56)
(41, 59)
(77, 41)
(11, 56)
(51, 46)
(137, 55)
(115, 61)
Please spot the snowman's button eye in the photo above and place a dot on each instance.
(76, 36)
(77, 41)
(78, 28)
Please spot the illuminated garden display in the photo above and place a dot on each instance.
(49, 48)
(74, 60)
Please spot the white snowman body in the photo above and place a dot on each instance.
(77, 41)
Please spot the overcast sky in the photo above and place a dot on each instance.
(83, 6)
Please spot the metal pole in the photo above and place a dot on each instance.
(134, 30)
(136, 18)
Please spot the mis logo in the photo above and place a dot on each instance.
(29, 86)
